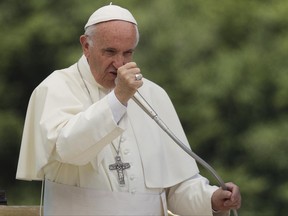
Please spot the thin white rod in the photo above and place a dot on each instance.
(146, 107)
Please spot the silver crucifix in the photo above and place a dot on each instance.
(119, 166)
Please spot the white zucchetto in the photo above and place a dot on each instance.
(108, 13)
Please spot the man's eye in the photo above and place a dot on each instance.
(129, 53)
(110, 52)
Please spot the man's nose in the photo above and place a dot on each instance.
(118, 61)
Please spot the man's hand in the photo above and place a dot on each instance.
(126, 83)
(224, 200)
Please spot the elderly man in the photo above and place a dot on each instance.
(96, 150)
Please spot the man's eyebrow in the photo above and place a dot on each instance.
(115, 50)
(109, 49)
(130, 50)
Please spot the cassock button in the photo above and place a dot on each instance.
(132, 177)
(122, 139)
(126, 151)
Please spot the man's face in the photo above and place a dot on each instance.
(113, 45)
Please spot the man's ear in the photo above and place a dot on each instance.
(85, 44)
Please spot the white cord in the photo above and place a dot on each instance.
(140, 100)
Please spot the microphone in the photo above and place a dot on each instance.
(146, 107)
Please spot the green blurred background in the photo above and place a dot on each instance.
(224, 63)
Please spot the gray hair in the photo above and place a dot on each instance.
(91, 30)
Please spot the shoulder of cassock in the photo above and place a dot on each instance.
(61, 88)
(164, 162)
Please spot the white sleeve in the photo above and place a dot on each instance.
(118, 109)
(192, 197)
(87, 129)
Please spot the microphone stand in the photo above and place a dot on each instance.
(145, 106)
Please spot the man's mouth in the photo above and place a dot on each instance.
(114, 73)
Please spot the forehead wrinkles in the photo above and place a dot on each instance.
(115, 32)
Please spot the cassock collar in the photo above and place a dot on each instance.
(87, 74)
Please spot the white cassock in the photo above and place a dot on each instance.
(68, 140)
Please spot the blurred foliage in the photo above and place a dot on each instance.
(223, 63)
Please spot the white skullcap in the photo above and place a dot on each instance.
(108, 13)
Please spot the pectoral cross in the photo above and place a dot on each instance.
(120, 167)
